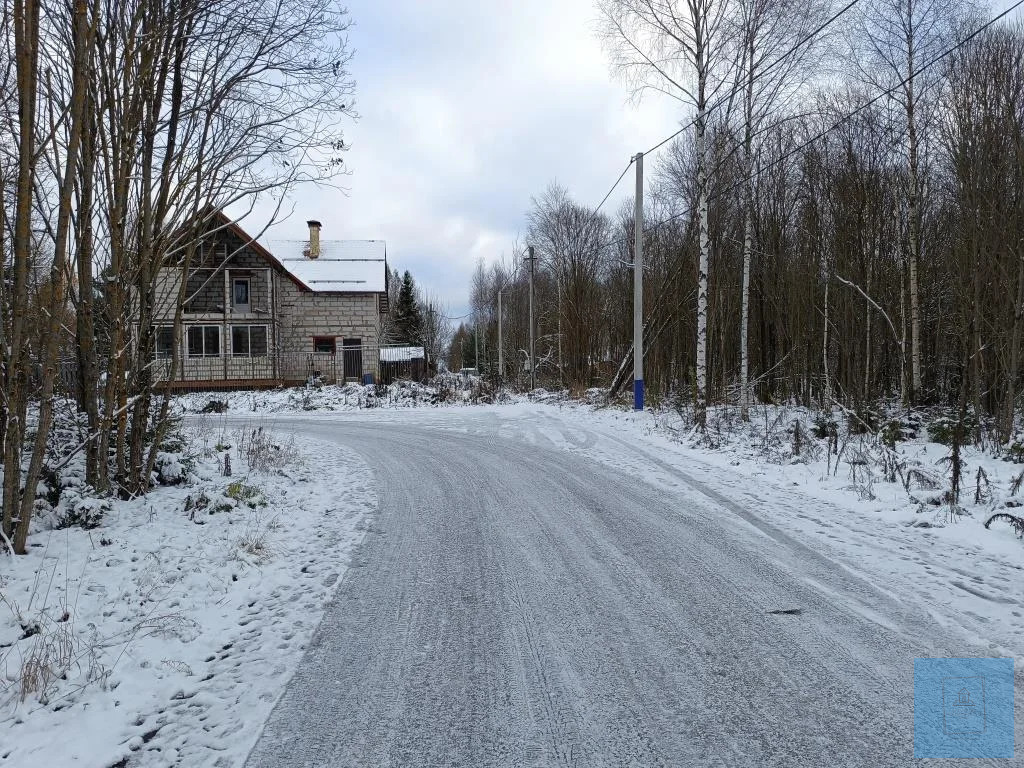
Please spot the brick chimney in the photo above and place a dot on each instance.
(314, 239)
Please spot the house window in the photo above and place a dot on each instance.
(325, 345)
(249, 340)
(204, 341)
(164, 340)
(240, 294)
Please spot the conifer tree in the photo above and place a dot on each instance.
(408, 318)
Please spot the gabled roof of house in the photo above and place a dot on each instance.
(349, 266)
(344, 266)
(222, 220)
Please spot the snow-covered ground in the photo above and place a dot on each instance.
(524, 604)
(906, 542)
(878, 510)
(443, 390)
(164, 635)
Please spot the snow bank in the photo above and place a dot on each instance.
(442, 390)
(167, 632)
(883, 510)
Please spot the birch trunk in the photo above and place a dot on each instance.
(701, 367)
(748, 235)
(904, 385)
(914, 227)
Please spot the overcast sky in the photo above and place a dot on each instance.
(467, 108)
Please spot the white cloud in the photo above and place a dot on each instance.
(468, 108)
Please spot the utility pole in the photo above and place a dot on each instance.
(561, 375)
(638, 286)
(501, 348)
(533, 361)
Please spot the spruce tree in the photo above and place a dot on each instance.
(408, 318)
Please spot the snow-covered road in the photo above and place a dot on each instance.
(518, 603)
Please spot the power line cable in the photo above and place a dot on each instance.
(617, 182)
(789, 52)
(764, 72)
(821, 134)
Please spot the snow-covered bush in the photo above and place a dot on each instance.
(865, 420)
(264, 452)
(943, 428)
(82, 511)
(170, 468)
(1014, 452)
(825, 427)
(1016, 523)
(250, 495)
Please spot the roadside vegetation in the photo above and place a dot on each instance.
(130, 125)
(860, 247)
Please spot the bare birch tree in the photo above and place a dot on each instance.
(680, 48)
(893, 40)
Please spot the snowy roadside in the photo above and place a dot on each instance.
(164, 636)
(443, 390)
(906, 542)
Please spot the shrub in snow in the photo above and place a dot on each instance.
(825, 427)
(1017, 523)
(255, 540)
(982, 488)
(82, 512)
(203, 503)
(1016, 483)
(215, 406)
(263, 452)
(943, 429)
(170, 470)
(864, 420)
(1015, 452)
(246, 494)
(891, 433)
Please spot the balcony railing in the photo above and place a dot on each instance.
(280, 367)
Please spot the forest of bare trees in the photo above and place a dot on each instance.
(836, 223)
(127, 126)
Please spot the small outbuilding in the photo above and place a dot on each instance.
(402, 363)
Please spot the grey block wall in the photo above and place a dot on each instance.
(303, 315)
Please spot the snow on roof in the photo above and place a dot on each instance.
(400, 354)
(352, 266)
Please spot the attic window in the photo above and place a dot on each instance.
(240, 294)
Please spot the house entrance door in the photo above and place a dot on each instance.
(352, 356)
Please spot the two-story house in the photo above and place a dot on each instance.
(272, 312)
